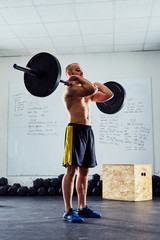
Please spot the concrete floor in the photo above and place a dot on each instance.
(40, 218)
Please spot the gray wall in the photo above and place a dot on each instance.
(95, 66)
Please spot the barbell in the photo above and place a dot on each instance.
(42, 76)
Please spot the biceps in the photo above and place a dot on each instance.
(101, 97)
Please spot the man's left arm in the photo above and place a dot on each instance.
(103, 93)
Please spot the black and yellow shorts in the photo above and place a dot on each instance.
(79, 146)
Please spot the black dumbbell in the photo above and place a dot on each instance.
(4, 190)
(158, 184)
(89, 191)
(12, 190)
(96, 177)
(3, 181)
(60, 192)
(60, 178)
(37, 183)
(91, 183)
(96, 191)
(99, 184)
(32, 191)
(52, 191)
(157, 192)
(42, 191)
(54, 182)
(22, 191)
(17, 185)
(155, 178)
(46, 183)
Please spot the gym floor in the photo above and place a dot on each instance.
(40, 218)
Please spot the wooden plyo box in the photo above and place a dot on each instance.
(128, 182)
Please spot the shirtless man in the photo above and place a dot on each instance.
(79, 141)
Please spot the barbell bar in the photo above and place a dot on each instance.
(31, 72)
(42, 76)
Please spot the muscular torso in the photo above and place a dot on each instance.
(78, 96)
(78, 109)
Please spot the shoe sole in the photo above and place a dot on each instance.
(73, 221)
(87, 216)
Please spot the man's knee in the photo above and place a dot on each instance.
(83, 172)
(71, 170)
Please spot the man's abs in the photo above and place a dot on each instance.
(79, 112)
(79, 115)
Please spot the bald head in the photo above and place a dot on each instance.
(74, 69)
(70, 67)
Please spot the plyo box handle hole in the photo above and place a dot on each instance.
(143, 174)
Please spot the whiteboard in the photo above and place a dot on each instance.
(36, 130)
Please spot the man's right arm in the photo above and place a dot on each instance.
(103, 94)
(80, 87)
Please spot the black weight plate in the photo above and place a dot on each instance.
(116, 103)
(48, 70)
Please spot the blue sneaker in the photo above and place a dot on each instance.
(72, 217)
(88, 213)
